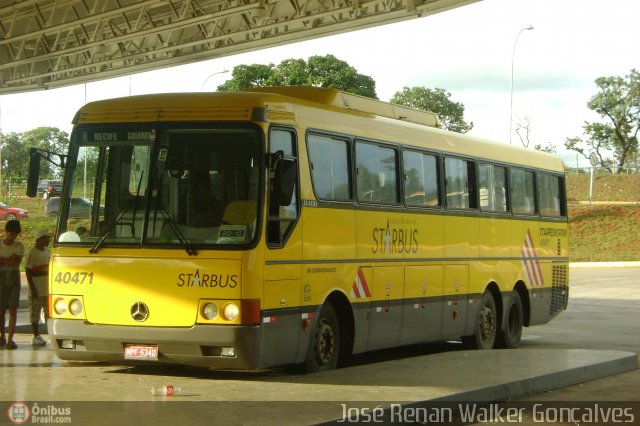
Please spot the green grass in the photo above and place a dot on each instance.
(604, 233)
(606, 187)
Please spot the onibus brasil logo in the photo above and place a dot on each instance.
(20, 413)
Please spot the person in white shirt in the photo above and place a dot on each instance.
(37, 271)
(11, 252)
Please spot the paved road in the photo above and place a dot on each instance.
(603, 314)
(602, 317)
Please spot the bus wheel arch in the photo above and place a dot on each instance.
(487, 322)
(331, 339)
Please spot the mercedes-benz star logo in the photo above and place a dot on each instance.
(139, 311)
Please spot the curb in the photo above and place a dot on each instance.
(604, 265)
(603, 203)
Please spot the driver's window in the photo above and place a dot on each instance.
(283, 214)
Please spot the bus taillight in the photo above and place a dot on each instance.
(250, 311)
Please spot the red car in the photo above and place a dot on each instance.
(8, 213)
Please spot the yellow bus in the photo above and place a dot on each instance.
(296, 225)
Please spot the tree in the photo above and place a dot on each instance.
(618, 104)
(13, 148)
(49, 139)
(549, 147)
(438, 101)
(319, 71)
(247, 76)
(523, 130)
(16, 146)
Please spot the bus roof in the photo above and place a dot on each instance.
(384, 119)
(163, 104)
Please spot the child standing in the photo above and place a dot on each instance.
(11, 252)
(37, 271)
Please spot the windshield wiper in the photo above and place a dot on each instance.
(171, 221)
(94, 248)
(166, 216)
(178, 233)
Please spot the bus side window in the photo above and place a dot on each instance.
(377, 173)
(460, 183)
(522, 191)
(283, 187)
(493, 188)
(550, 195)
(421, 188)
(330, 162)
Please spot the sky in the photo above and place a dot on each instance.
(468, 51)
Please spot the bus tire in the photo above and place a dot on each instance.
(324, 347)
(510, 336)
(486, 327)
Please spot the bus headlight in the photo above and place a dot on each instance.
(230, 311)
(209, 311)
(60, 306)
(75, 307)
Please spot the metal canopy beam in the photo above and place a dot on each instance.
(53, 43)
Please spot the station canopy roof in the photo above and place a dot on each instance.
(52, 43)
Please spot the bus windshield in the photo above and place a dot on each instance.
(168, 186)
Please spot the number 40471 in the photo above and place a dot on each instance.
(74, 278)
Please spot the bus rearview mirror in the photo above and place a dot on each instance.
(34, 172)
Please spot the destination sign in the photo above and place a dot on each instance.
(121, 135)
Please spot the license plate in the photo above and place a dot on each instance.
(141, 352)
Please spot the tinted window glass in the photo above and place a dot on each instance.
(550, 190)
(460, 183)
(420, 179)
(329, 162)
(493, 188)
(176, 186)
(377, 174)
(282, 213)
(523, 191)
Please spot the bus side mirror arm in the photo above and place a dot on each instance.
(49, 156)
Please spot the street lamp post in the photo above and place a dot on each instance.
(513, 56)
(211, 75)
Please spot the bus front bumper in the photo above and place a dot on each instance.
(215, 346)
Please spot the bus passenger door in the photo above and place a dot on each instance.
(455, 300)
(282, 293)
(385, 311)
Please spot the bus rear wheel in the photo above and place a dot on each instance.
(511, 335)
(324, 347)
(486, 327)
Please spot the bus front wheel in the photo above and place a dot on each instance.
(511, 335)
(324, 347)
(486, 328)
